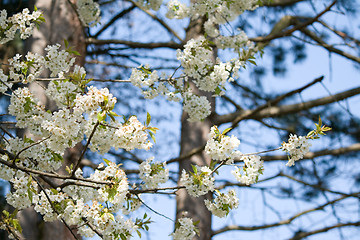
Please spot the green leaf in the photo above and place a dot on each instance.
(152, 136)
(212, 164)
(145, 70)
(66, 43)
(226, 131)
(148, 119)
(30, 194)
(112, 117)
(194, 169)
(122, 236)
(152, 129)
(76, 53)
(16, 225)
(252, 61)
(217, 91)
(101, 116)
(107, 161)
(68, 169)
(6, 213)
(112, 192)
(54, 191)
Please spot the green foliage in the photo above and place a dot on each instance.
(320, 130)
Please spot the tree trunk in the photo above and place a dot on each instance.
(61, 24)
(195, 134)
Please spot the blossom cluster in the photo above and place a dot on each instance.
(79, 205)
(63, 92)
(221, 147)
(89, 12)
(24, 187)
(58, 61)
(28, 69)
(28, 110)
(223, 203)
(197, 59)
(93, 100)
(129, 135)
(151, 4)
(38, 157)
(4, 84)
(199, 182)
(149, 82)
(197, 107)
(23, 21)
(177, 10)
(152, 174)
(253, 167)
(296, 147)
(184, 229)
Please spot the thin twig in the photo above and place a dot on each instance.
(147, 206)
(85, 148)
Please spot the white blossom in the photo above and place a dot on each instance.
(197, 107)
(4, 84)
(177, 10)
(250, 172)
(22, 21)
(220, 147)
(184, 229)
(199, 182)
(152, 174)
(57, 61)
(89, 12)
(223, 203)
(296, 147)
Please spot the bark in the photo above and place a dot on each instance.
(61, 23)
(193, 135)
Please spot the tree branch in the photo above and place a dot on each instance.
(310, 155)
(277, 31)
(119, 15)
(328, 47)
(267, 111)
(162, 23)
(172, 45)
(317, 186)
(283, 222)
(280, 3)
(302, 235)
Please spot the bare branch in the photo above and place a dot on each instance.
(302, 235)
(317, 186)
(310, 155)
(328, 47)
(162, 23)
(286, 21)
(339, 33)
(152, 45)
(185, 156)
(276, 111)
(280, 3)
(283, 222)
(85, 148)
(119, 15)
